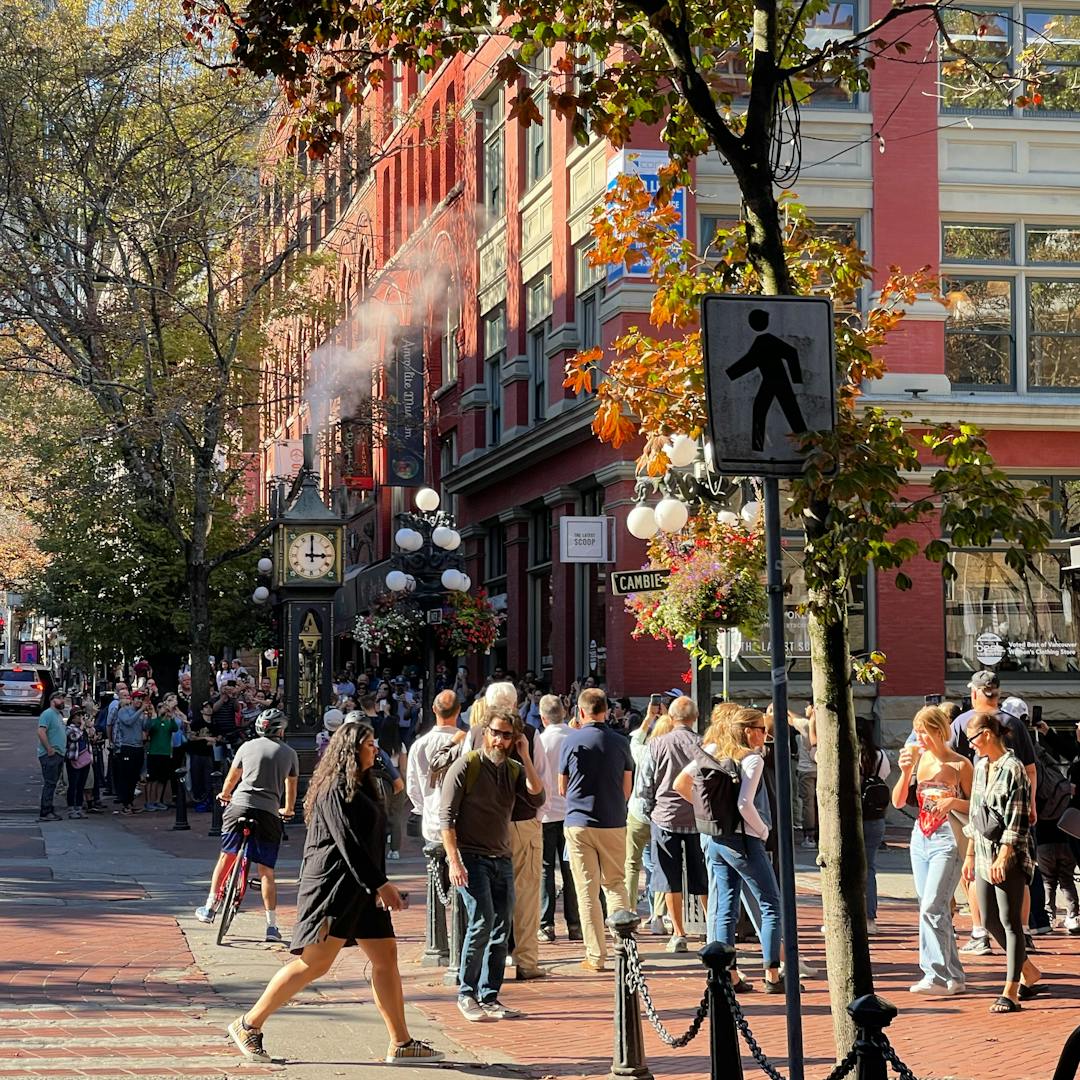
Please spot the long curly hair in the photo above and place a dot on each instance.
(340, 765)
(734, 742)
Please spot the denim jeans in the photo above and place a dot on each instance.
(936, 865)
(51, 766)
(489, 906)
(76, 779)
(555, 855)
(873, 832)
(733, 861)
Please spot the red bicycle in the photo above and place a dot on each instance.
(232, 889)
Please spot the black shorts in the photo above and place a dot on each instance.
(360, 920)
(670, 850)
(266, 832)
(159, 768)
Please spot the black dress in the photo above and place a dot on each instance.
(344, 864)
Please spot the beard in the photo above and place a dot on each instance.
(495, 754)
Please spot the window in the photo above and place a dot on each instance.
(538, 136)
(449, 344)
(494, 354)
(448, 459)
(1002, 40)
(537, 320)
(540, 600)
(397, 91)
(494, 156)
(1013, 294)
(590, 291)
(495, 561)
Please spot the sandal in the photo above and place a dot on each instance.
(1028, 992)
(1005, 1005)
(743, 987)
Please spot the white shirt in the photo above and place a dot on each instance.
(424, 797)
(752, 768)
(551, 741)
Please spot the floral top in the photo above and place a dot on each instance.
(1008, 791)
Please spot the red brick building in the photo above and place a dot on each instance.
(444, 216)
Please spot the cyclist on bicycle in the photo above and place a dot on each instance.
(263, 773)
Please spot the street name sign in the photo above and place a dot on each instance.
(770, 373)
(638, 581)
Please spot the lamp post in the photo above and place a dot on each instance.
(428, 565)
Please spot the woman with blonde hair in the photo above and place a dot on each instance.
(942, 780)
(478, 712)
(740, 857)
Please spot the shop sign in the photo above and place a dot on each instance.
(405, 437)
(587, 539)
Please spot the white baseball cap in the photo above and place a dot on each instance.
(332, 719)
(1015, 707)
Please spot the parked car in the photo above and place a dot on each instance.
(24, 686)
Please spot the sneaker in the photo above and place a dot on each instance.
(1072, 924)
(529, 974)
(248, 1041)
(545, 933)
(932, 986)
(955, 986)
(205, 915)
(470, 1008)
(393, 856)
(273, 933)
(977, 946)
(806, 971)
(656, 926)
(871, 927)
(676, 943)
(51, 816)
(498, 1011)
(414, 1052)
(774, 987)
(95, 809)
(1038, 931)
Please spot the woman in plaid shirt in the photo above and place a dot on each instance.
(1002, 869)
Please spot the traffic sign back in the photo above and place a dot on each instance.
(770, 373)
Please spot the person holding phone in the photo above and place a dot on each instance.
(344, 898)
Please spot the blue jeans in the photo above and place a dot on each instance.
(51, 767)
(733, 861)
(873, 832)
(489, 907)
(936, 865)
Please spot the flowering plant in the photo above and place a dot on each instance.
(716, 580)
(470, 624)
(392, 627)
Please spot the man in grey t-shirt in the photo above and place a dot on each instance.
(263, 773)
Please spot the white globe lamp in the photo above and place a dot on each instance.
(641, 522)
(427, 500)
(750, 512)
(681, 451)
(408, 540)
(671, 514)
(727, 517)
(455, 540)
(466, 583)
(410, 583)
(445, 538)
(261, 595)
(396, 581)
(451, 579)
(265, 565)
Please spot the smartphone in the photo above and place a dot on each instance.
(932, 699)
(654, 699)
(1036, 714)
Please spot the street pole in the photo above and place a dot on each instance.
(782, 755)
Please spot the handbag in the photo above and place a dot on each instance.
(987, 822)
(82, 759)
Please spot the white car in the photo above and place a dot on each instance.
(24, 686)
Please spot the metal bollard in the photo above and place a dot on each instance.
(457, 939)
(181, 822)
(871, 1015)
(215, 802)
(725, 1057)
(628, 1059)
(436, 947)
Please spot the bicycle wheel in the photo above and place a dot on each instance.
(233, 893)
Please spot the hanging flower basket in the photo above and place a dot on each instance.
(716, 581)
(392, 627)
(470, 624)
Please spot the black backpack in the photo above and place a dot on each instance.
(716, 795)
(876, 796)
(1053, 792)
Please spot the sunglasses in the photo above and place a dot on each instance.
(501, 733)
(757, 727)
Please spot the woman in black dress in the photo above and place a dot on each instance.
(343, 899)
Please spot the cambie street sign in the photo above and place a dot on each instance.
(770, 374)
(635, 581)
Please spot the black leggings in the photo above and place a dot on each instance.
(1002, 908)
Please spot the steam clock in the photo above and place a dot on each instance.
(308, 567)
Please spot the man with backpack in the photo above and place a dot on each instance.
(478, 796)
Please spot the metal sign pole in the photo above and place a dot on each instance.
(782, 744)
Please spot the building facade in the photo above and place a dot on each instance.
(445, 218)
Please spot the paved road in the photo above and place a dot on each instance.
(104, 972)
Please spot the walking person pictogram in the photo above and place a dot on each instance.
(768, 354)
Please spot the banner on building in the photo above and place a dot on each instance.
(405, 410)
(288, 458)
(357, 454)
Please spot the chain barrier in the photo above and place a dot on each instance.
(636, 982)
(743, 1025)
(890, 1055)
(435, 873)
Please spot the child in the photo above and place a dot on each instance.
(332, 719)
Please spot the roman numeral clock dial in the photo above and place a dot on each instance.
(311, 555)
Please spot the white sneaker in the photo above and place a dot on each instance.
(393, 856)
(656, 926)
(932, 986)
(676, 944)
(1072, 924)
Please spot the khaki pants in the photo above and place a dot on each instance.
(638, 835)
(527, 855)
(598, 858)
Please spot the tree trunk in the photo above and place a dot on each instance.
(841, 855)
(199, 615)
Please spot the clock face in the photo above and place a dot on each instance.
(312, 555)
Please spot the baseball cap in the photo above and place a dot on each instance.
(674, 692)
(984, 680)
(1015, 707)
(332, 719)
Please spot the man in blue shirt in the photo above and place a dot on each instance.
(52, 746)
(596, 776)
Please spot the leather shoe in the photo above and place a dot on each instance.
(528, 976)
(574, 934)
(591, 965)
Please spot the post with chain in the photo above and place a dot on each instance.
(628, 1059)
(180, 823)
(725, 1059)
(871, 1015)
(436, 947)
(457, 938)
(215, 802)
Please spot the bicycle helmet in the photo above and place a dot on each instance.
(272, 723)
(332, 719)
(357, 717)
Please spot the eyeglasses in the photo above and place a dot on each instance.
(972, 736)
(501, 733)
